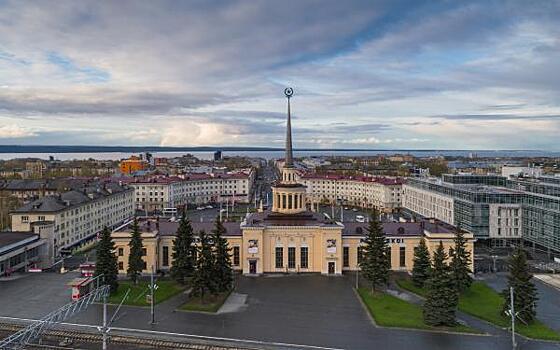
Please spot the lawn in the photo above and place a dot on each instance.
(390, 311)
(137, 296)
(485, 303)
(211, 303)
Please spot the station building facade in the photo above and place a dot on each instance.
(289, 238)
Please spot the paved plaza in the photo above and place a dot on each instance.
(303, 310)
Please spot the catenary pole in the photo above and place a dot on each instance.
(153, 320)
(512, 311)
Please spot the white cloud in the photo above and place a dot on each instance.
(14, 131)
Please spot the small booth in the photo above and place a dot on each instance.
(81, 287)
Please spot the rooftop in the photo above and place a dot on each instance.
(15, 238)
(376, 179)
(69, 199)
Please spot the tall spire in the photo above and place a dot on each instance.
(289, 154)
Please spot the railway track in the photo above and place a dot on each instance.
(64, 339)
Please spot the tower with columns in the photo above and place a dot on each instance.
(288, 195)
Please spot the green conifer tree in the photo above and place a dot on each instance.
(375, 262)
(203, 281)
(184, 252)
(460, 263)
(223, 271)
(106, 262)
(441, 301)
(525, 293)
(422, 264)
(135, 262)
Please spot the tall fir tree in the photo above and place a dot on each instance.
(422, 264)
(441, 301)
(135, 262)
(525, 293)
(106, 262)
(184, 252)
(203, 281)
(223, 271)
(460, 263)
(375, 262)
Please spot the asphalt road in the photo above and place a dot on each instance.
(307, 310)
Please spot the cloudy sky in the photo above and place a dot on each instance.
(388, 74)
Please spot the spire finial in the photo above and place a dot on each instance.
(289, 92)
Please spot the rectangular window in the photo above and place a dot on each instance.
(291, 257)
(236, 256)
(279, 257)
(165, 256)
(289, 202)
(121, 265)
(345, 256)
(402, 256)
(304, 257)
(143, 251)
(144, 266)
(121, 251)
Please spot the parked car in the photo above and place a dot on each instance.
(354, 210)
(346, 208)
(360, 218)
(209, 207)
(199, 208)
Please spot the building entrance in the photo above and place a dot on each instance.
(331, 267)
(253, 267)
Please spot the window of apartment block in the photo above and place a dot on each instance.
(304, 257)
(165, 257)
(144, 266)
(279, 257)
(402, 256)
(144, 252)
(291, 257)
(120, 251)
(236, 256)
(25, 218)
(121, 265)
(345, 256)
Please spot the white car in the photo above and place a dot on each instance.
(199, 208)
(345, 208)
(222, 210)
(360, 218)
(354, 210)
(209, 207)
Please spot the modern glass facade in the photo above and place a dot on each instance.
(539, 199)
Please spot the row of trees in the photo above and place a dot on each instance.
(444, 281)
(445, 275)
(205, 265)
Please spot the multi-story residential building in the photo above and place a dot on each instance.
(78, 216)
(159, 192)
(491, 207)
(369, 192)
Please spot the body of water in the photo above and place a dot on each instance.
(280, 154)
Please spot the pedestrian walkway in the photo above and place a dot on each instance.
(551, 280)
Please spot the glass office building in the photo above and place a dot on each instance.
(494, 207)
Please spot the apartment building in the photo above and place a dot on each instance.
(158, 192)
(369, 192)
(78, 216)
(492, 207)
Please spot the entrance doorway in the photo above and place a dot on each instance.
(331, 267)
(253, 267)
